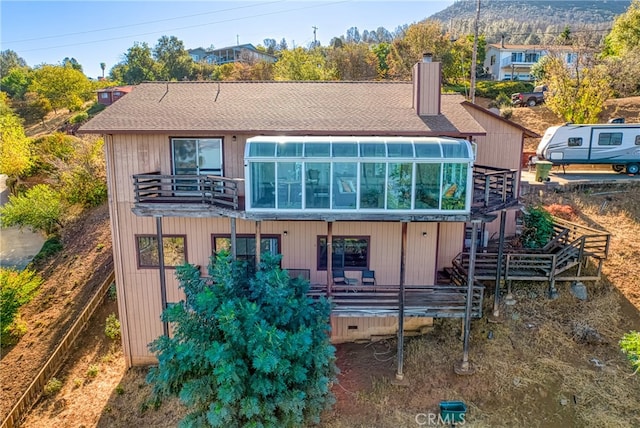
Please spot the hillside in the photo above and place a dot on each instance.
(528, 21)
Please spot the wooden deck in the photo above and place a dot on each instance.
(436, 301)
(571, 246)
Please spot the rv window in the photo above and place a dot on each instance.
(575, 141)
(610, 139)
(637, 140)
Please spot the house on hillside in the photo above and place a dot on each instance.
(240, 53)
(355, 184)
(110, 95)
(514, 62)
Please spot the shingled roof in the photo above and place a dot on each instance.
(278, 108)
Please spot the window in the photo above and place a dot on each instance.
(574, 141)
(349, 252)
(246, 247)
(197, 156)
(104, 95)
(173, 248)
(637, 140)
(610, 139)
(531, 57)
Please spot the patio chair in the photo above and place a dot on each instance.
(368, 277)
(340, 279)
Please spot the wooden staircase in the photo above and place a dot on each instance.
(571, 246)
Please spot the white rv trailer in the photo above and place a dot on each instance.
(614, 144)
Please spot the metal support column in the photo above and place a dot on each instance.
(163, 279)
(496, 297)
(403, 261)
(464, 366)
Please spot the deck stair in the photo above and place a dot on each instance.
(571, 246)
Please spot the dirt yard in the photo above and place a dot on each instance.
(541, 363)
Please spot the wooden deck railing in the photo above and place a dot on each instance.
(493, 188)
(571, 245)
(198, 189)
(437, 301)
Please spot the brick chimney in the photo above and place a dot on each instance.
(427, 78)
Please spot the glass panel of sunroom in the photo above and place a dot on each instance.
(263, 178)
(399, 186)
(428, 150)
(289, 185)
(289, 150)
(454, 183)
(262, 149)
(345, 150)
(400, 150)
(427, 186)
(317, 184)
(344, 185)
(317, 150)
(455, 149)
(373, 150)
(372, 177)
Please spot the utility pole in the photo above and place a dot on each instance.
(474, 57)
(237, 40)
(314, 35)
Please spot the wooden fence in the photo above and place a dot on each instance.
(53, 364)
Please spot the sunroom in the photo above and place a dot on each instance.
(359, 174)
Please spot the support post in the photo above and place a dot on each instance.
(403, 261)
(329, 257)
(464, 367)
(258, 239)
(163, 279)
(496, 297)
(234, 238)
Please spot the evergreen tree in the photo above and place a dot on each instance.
(246, 352)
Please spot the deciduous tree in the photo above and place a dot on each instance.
(246, 352)
(9, 60)
(300, 64)
(15, 147)
(63, 86)
(174, 62)
(40, 208)
(138, 66)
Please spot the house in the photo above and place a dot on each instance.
(514, 62)
(110, 95)
(239, 53)
(353, 177)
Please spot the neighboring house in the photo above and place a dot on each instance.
(513, 62)
(239, 53)
(346, 177)
(108, 96)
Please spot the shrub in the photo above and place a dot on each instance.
(16, 289)
(492, 89)
(630, 345)
(53, 386)
(112, 293)
(51, 246)
(40, 208)
(503, 100)
(93, 371)
(246, 351)
(506, 112)
(537, 229)
(112, 327)
(79, 118)
(95, 109)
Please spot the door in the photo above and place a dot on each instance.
(201, 156)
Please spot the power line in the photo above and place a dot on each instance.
(185, 27)
(77, 33)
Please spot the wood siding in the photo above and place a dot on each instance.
(450, 243)
(139, 296)
(502, 147)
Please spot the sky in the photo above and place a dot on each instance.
(45, 32)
